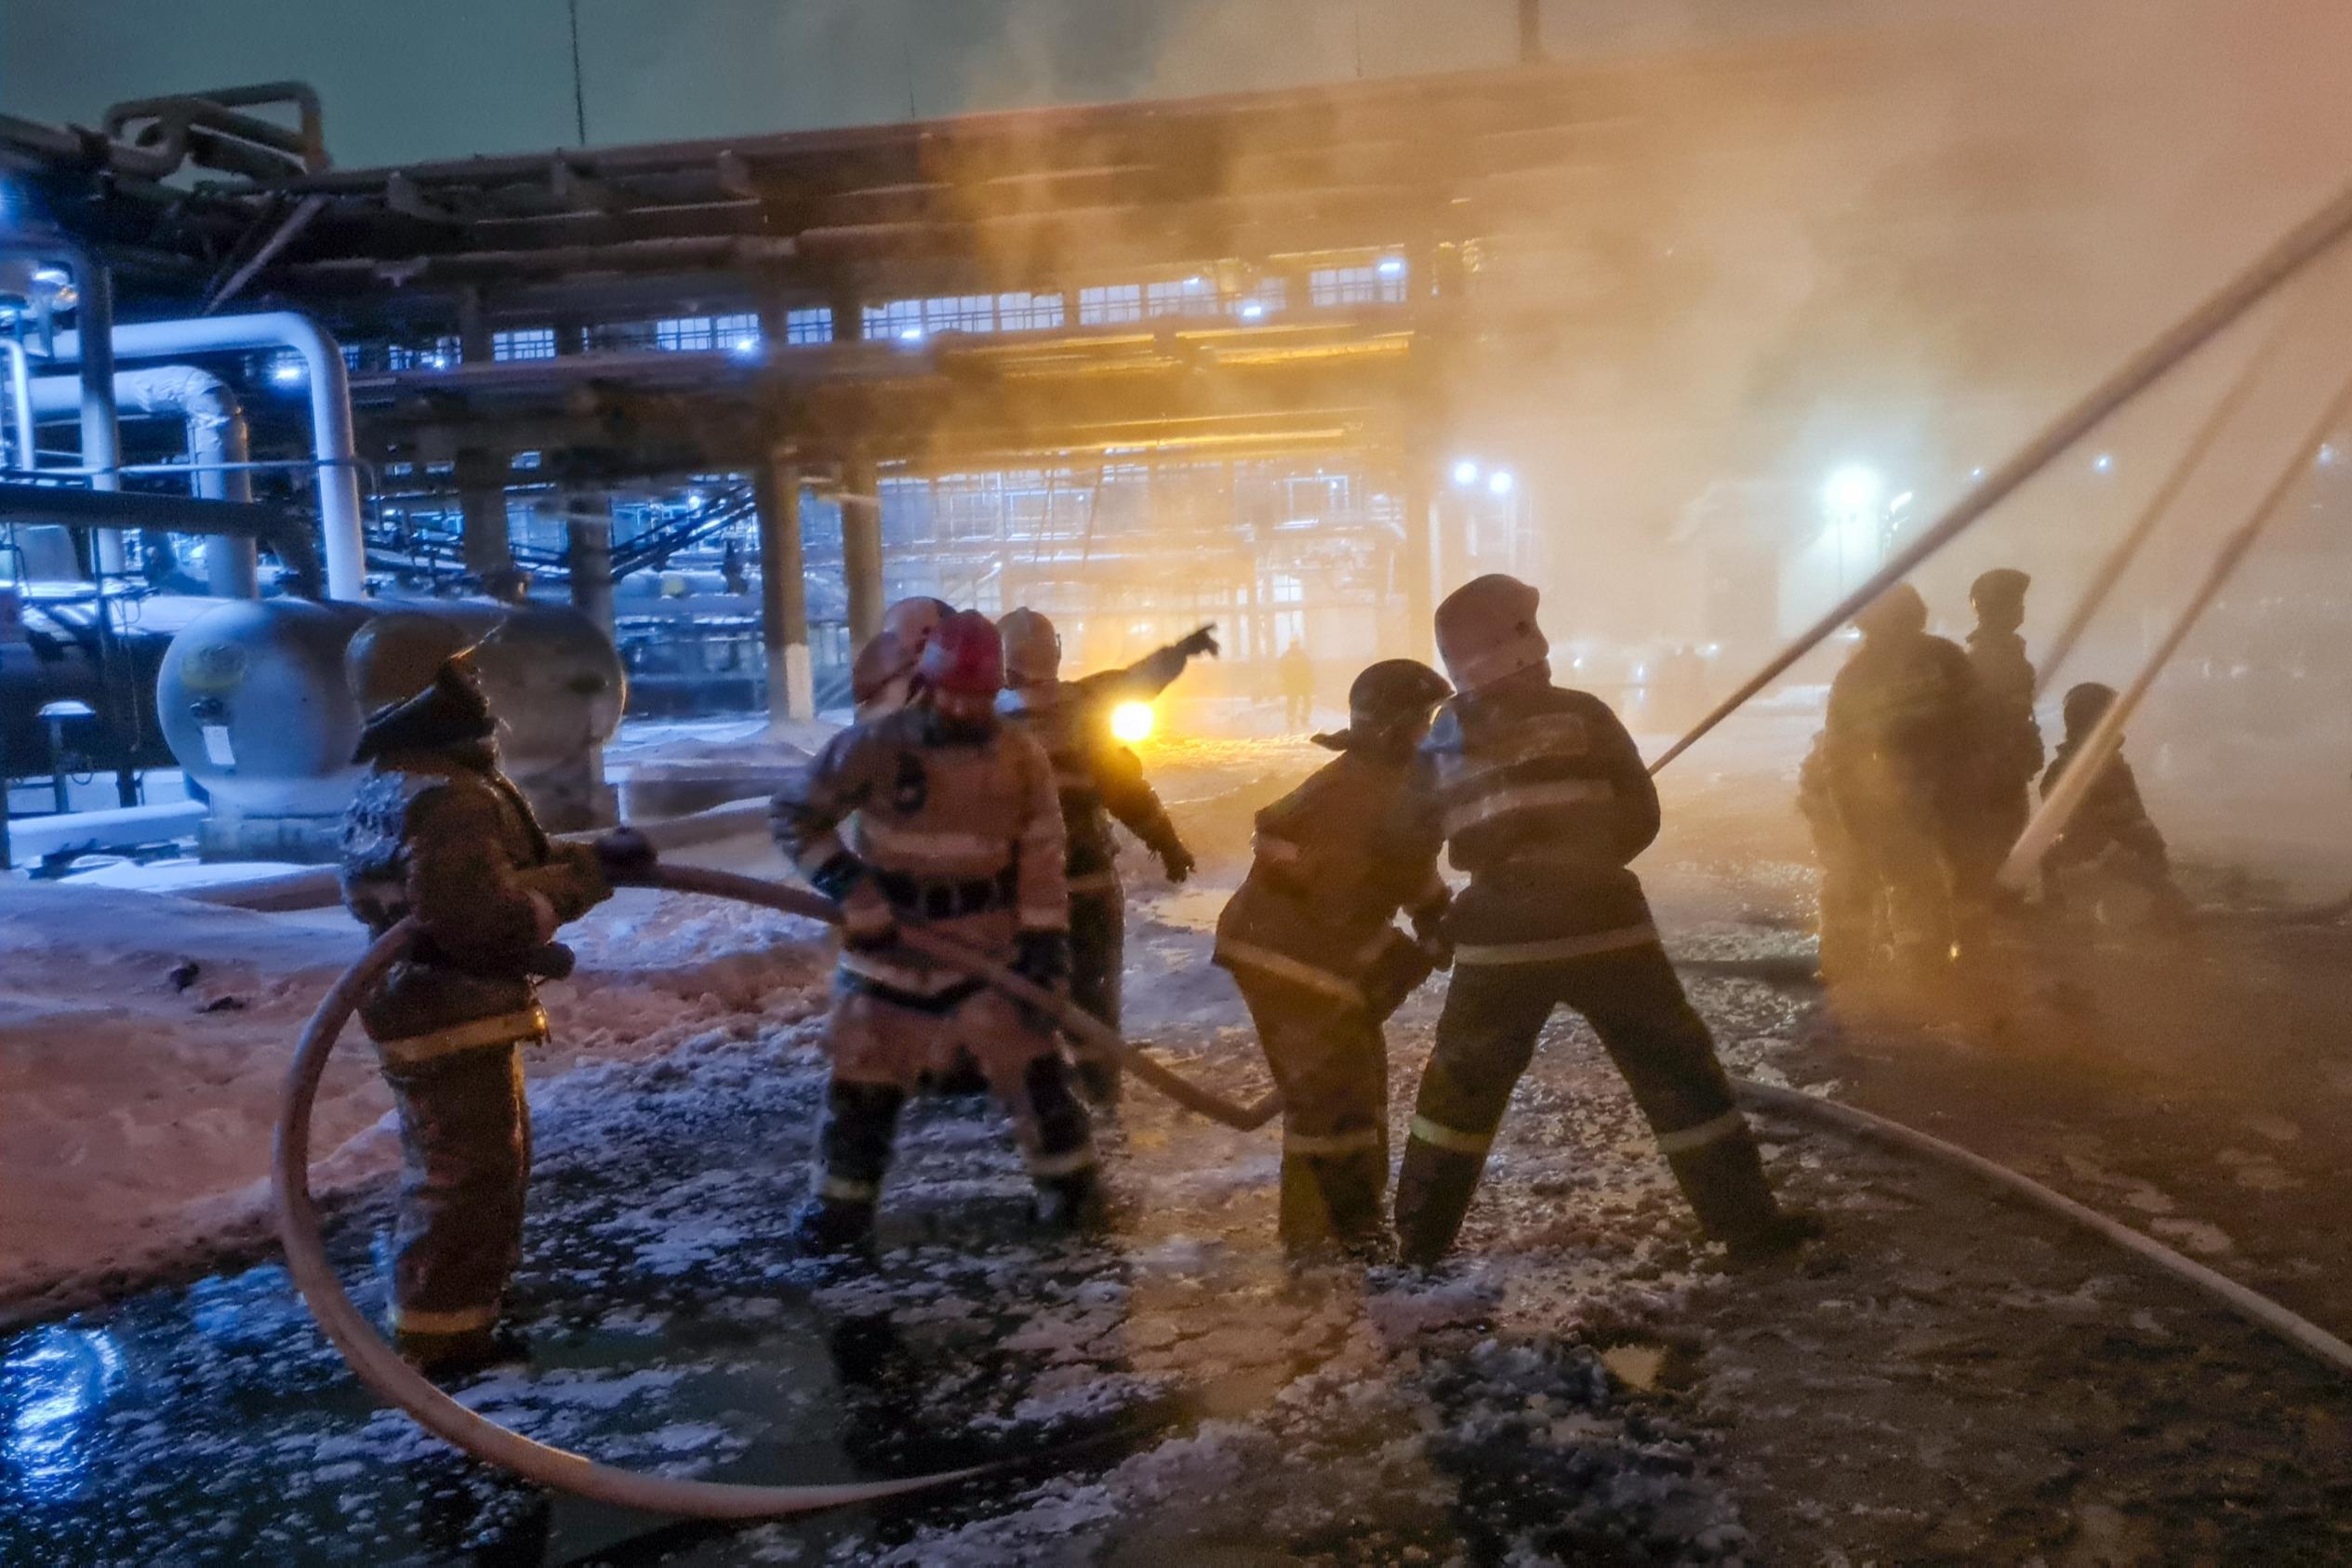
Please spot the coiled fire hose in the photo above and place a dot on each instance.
(382, 1369)
(379, 1367)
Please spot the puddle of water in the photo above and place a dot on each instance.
(1637, 1366)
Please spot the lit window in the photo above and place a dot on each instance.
(900, 320)
(439, 353)
(1029, 312)
(690, 334)
(1113, 302)
(811, 325)
(1180, 297)
(960, 313)
(1264, 300)
(529, 342)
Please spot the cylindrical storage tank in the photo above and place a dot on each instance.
(256, 707)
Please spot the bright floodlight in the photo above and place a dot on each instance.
(1500, 482)
(911, 334)
(1854, 489)
(747, 345)
(1131, 721)
(287, 372)
(1392, 266)
(1464, 471)
(1252, 311)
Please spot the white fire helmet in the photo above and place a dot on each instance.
(1032, 648)
(1486, 631)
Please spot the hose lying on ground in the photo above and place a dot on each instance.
(2254, 1308)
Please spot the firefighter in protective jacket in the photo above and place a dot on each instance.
(1900, 743)
(438, 833)
(1310, 939)
(2110, 832)
(1542, 799)
(1096, 778)
(882, 677)
(950, 824)
(2009, 741)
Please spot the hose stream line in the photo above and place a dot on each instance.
(2294, 251)
(380, 1368)
(2254, 1308)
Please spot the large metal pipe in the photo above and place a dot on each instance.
(332, 440)
(21, 405)
(218, 444)
(94, 309)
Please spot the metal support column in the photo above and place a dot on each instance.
(482, 499)
(587, 545)
(861, 545)
(791, 681)
(1413, 560)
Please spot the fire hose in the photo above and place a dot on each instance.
(379, 1367)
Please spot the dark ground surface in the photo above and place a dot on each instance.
(1949, 1379)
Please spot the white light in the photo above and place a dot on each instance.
(695, 498)
(747, 345)
(1392, 266)
(2103, 463)
(286, 375)
(1899, 502)
(1196, 283)
(1500, 482)
(911, 334)
(1464, 471)
(1131, 721)
(54, 276)
(1853, 488)
(438, 362)
(1976, 473)
(1252, 311)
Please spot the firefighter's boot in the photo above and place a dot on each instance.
(1057, 1143)
(1330, 1199)
(1722, 1176)
(853, 1154)
(1434, 1187)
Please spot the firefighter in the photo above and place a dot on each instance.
(1849, 903)
(2110, 831)
(439, 833)
(881, 678)
(1098, 779)
(2009, 750)
(1311, 940)
(955, 828)
(1899, 745)
(1541, 797)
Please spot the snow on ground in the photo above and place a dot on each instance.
(143, 1038)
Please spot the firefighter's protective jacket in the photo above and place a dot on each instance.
(1904, 726)
(1334, 862)
(1094, 776)
(961, 835)
(445, 836)
(1541, 797)
(2110, 815)
(2009, 737)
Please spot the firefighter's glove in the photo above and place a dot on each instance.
(551, 961)
(1201, 642)
(1176, 860)
(1428, 930)
(627, 855)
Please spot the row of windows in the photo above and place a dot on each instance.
(1382, 282)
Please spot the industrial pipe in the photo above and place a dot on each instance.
(21, 405)
(94, 311)
(2294, 251)
(332, 440)
(218, 451)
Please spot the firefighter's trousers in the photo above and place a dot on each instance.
(1486, 1039)
(465, 1139)
(1098, 958)
(1331, 1066)
(1908, 856)
(1850, 911)
(881, 1045)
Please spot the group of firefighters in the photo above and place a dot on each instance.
(972, 799)
(1922, 780)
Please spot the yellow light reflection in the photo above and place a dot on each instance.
(1132, 722)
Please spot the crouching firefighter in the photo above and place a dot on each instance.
(1312, 940)
(1098, 779)
(952, 826)
(438, 833)
(1543, 800)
